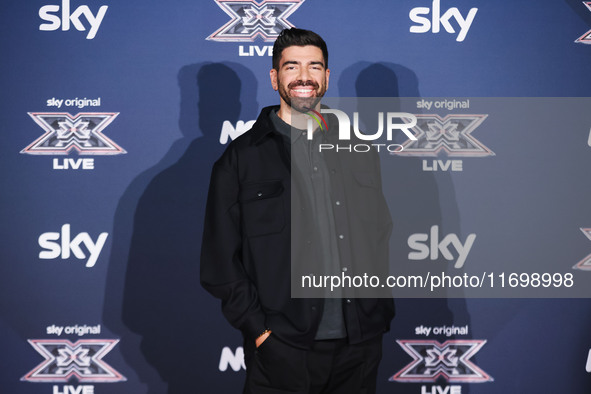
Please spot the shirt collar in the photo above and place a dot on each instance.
(286, 129)
(264, 125)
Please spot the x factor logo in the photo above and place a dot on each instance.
(82, 360)
(451, 134)
(81, 132)
(585, 264)
(585, 38)
(251, 19)
(450, 360)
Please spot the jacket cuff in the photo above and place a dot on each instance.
(253, 326)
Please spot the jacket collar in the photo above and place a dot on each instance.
(263, 125)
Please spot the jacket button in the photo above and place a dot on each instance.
(344, 269)
(313, 308)
(259, 194)
(341, 236)
(337, 202)
(348, 301)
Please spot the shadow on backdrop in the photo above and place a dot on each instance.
(417, 201)
(579, 8)
(172, 332)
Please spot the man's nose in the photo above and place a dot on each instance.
(304, 75)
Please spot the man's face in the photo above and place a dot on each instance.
(302, 78)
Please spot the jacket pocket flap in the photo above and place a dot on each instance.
(368, 179)
(260, 190)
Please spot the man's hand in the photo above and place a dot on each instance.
(259, 341)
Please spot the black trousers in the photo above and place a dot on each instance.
(330, 367)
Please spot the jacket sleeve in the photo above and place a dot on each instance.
(222, 270)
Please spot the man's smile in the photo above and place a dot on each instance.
(306, 89)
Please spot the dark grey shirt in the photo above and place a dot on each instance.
(308, 160)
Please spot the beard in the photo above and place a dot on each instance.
(301, 104)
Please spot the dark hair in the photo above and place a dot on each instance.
(297, 37)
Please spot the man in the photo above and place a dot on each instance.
(278, 207)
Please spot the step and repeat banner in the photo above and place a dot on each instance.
(113, 113)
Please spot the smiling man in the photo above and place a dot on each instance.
(276, 200)
(300, 75)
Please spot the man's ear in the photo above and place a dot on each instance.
(327, 77)
(273, 75)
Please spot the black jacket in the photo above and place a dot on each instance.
(257, 222)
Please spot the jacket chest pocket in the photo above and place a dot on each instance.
(366, 195)
(263, 207)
